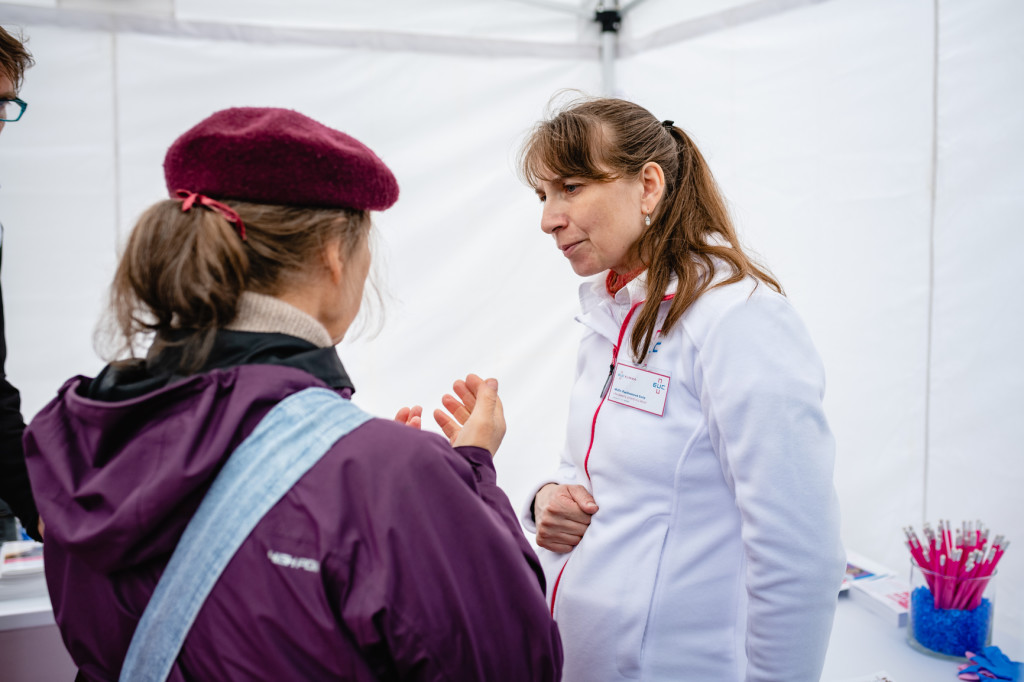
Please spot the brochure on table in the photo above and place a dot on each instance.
(877, 588)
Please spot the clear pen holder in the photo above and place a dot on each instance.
(949, 616)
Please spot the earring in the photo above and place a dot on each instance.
(647, 220)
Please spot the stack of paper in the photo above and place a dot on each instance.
(20, 557)
(877, 588)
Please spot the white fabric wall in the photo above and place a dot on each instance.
(977, 383)
(473, 284)
(823, 149)
(56, 203)
(819, 123)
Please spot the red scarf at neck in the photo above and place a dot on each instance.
(614, 281)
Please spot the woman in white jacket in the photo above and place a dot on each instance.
(691, 531)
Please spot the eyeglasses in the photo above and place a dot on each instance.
(11, 109)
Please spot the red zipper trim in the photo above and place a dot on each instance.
(554, 590)
(615, 360)
(593, 426)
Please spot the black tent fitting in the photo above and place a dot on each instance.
(610, 20)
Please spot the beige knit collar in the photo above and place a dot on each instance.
(262, 313)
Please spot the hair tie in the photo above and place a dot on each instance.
(189, 199)
(668, 124)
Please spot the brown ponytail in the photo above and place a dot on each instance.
(182, 273)
(605, 139)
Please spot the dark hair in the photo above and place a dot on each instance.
(14, 58)
(182, 273)
(605, 139)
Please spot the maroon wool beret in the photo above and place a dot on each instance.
(278, 156)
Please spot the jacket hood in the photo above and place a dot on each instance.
(117, 481)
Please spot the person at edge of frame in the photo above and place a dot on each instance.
(15, 491)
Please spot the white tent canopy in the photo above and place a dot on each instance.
(871, 152)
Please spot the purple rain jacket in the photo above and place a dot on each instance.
(396, 557)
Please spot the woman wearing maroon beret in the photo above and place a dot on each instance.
(217, 508)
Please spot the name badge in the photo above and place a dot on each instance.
(640, 389)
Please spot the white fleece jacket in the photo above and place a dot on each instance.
(715, 554)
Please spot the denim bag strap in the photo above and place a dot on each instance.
(287, 442)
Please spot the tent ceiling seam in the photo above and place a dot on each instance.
(712, 23)
(398, 41)
(338, 38)
(631, 6)
(559, 7)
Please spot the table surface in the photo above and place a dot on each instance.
(864, 643)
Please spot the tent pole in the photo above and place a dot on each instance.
(610, 19)
(608, 64)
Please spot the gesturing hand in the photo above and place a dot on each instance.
(410, 416)
(563, 514)
(476, 416)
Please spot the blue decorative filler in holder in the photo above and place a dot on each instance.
(952, 592)
(948, 631)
